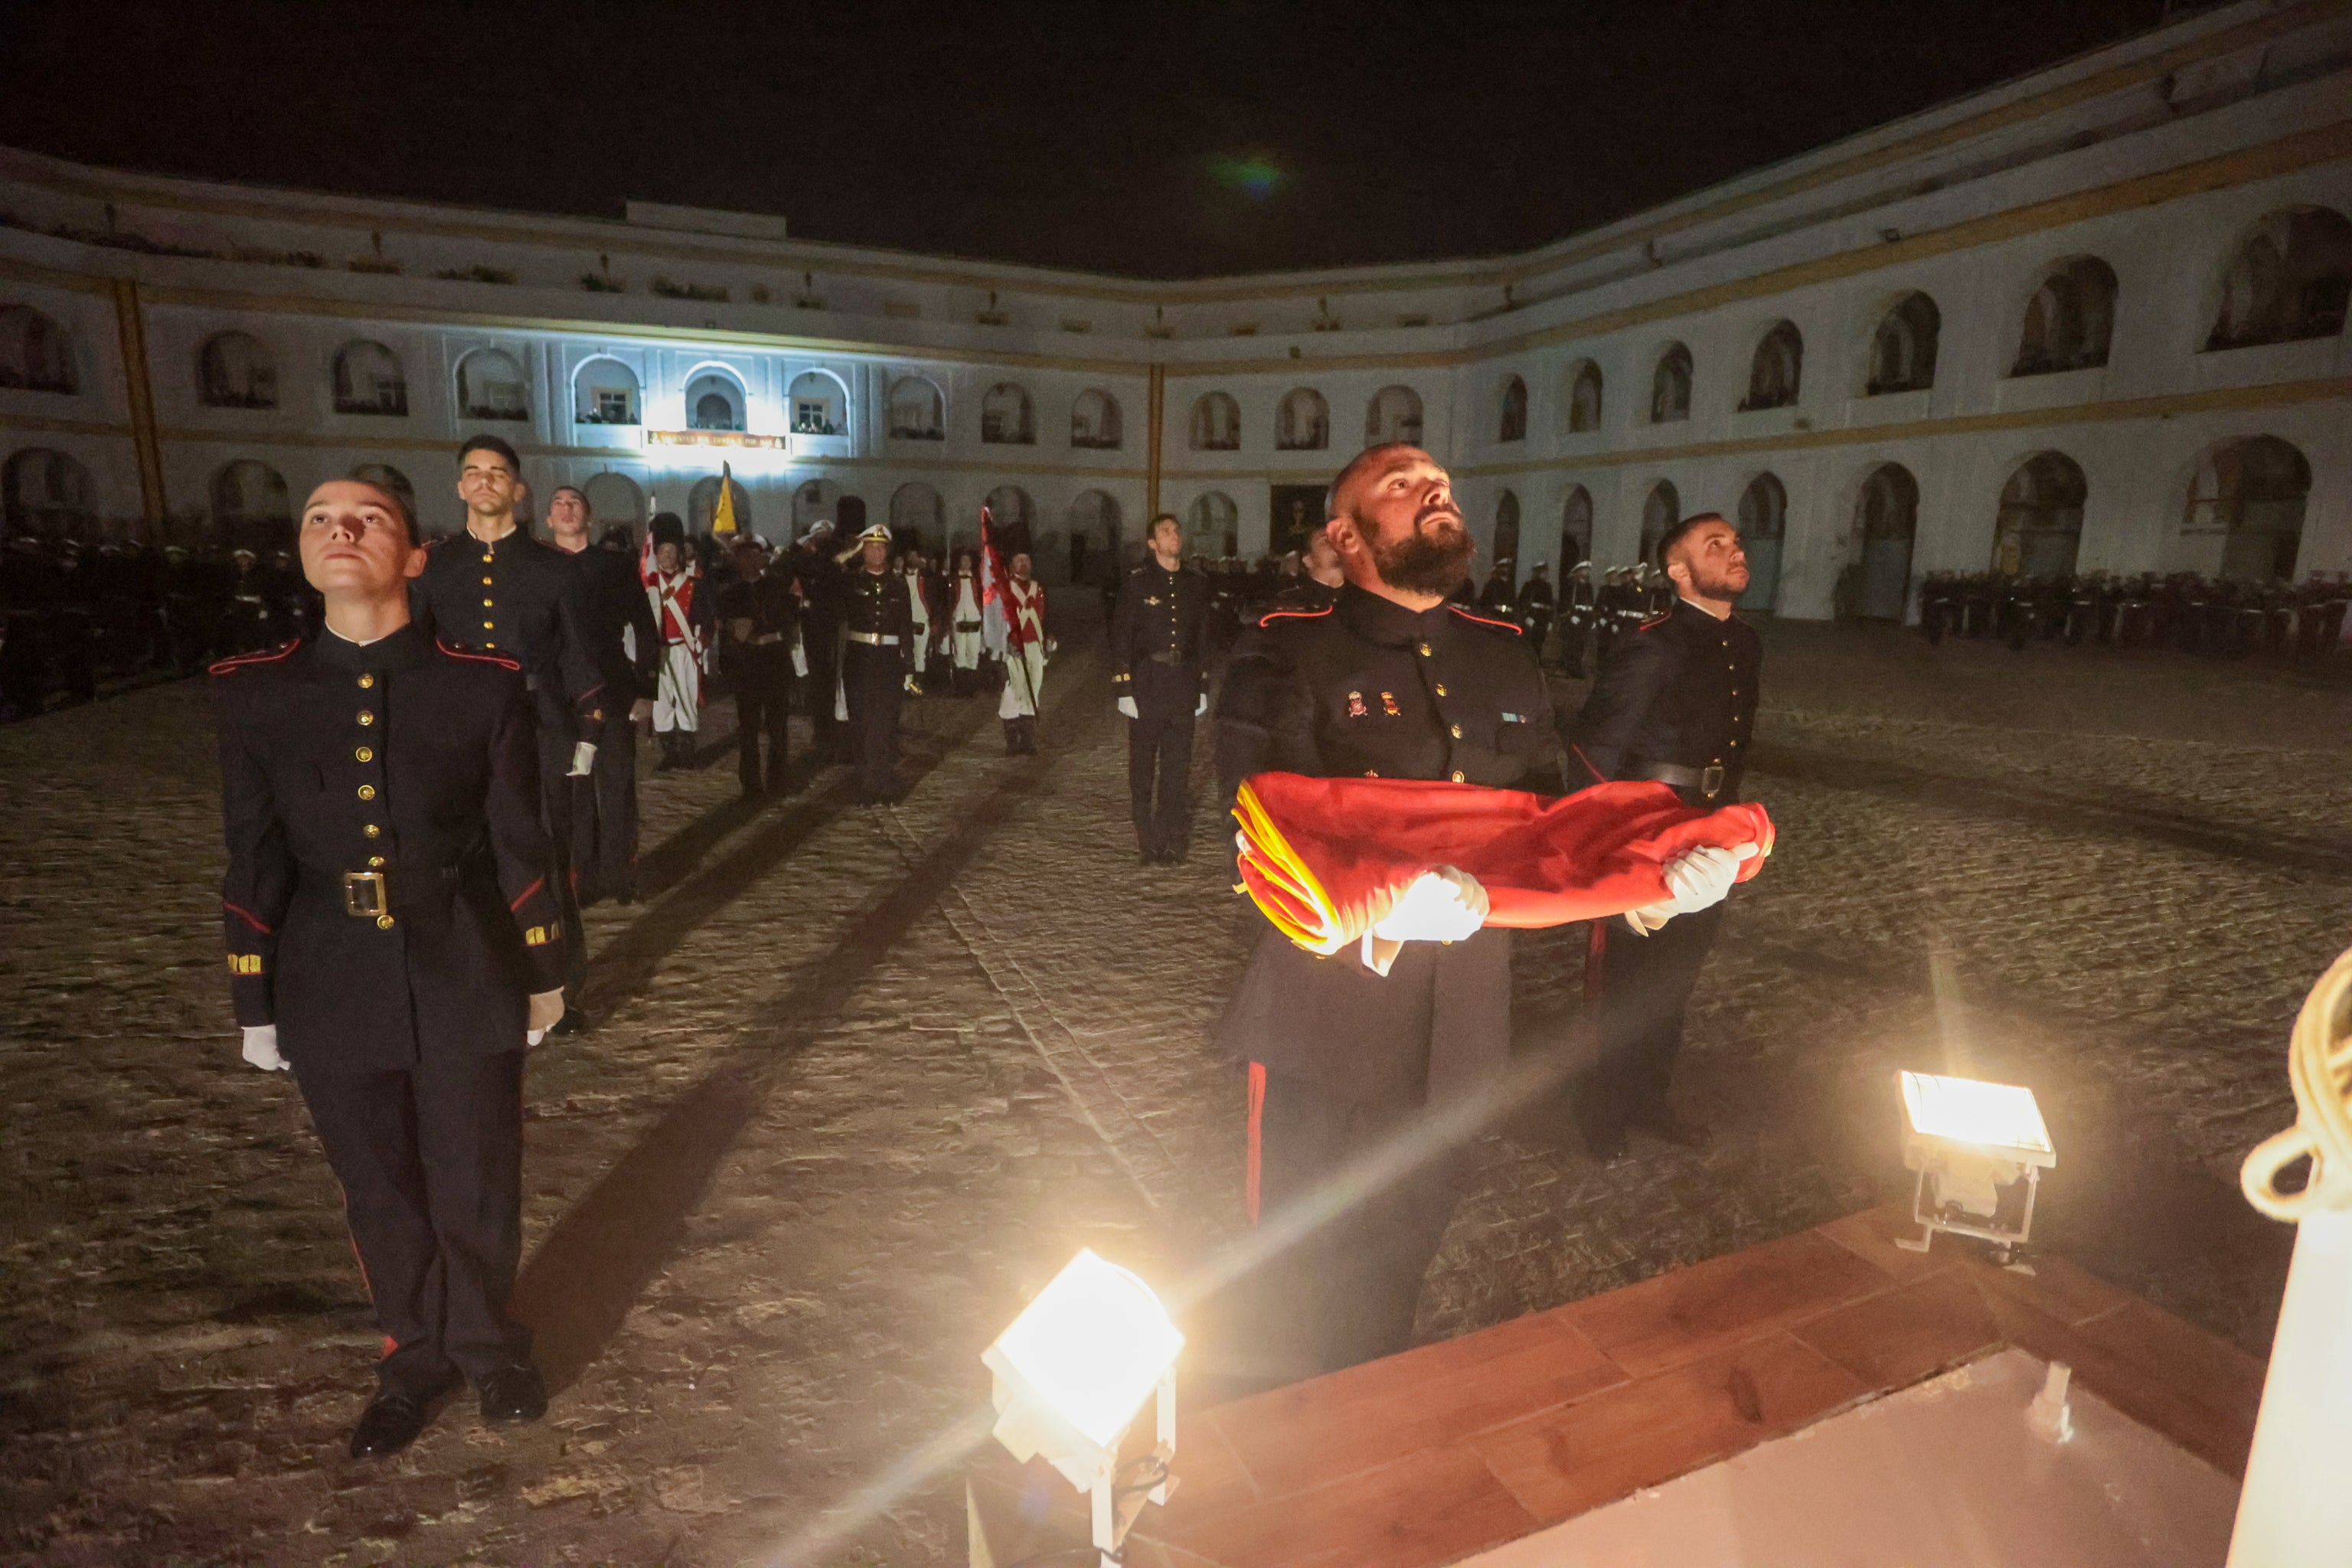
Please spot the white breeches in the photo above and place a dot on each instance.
(678, 689)
(1025, 682)
(966, 648)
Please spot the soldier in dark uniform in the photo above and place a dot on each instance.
(821, 583)
(1391, 681)
(1500, 596)
(1537, 607)
(877, 631)
(495, 589)
(757, 613)
(617, 619)
(394, 938)
(1158, 646)
(1675, 701)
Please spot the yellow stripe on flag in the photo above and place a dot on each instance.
(723, 520)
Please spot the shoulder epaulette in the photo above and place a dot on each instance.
(1468, 614)
(502, 661)
(1271, 616)
(231, 665)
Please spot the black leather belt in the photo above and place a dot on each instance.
(1707, 781)
(1168, 656)
(392, 889)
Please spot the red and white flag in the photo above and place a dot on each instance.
(993, 621)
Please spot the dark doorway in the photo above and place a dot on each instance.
(1298, 512)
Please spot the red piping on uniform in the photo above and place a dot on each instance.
(590, 693)
(1598, 776)
(239, 661)
(498, 659)
(524, 897)
(1273, 615)
(250, 918)
(1256, 1126)
(1510, 626)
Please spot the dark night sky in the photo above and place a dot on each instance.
(1106, 136)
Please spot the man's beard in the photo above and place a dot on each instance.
(1727, 584)
(1421, 563)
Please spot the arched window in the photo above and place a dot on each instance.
(702, 505)
(1212, 527)
(1094, 421)
(1584, 398)
(1303, 422)
(1887, 517)
(1094, 555)
(368, 380)
(250, 506)
(616, 498)
(2069, 318)
(1763, 526)
(1216, 424)
(234, 371)
(1012, 518)
(1774, 373)
(1512, 425)
(917, 411)
(2252, 494)
(1393, 415)
(1005, 417)
(46, 492)
(1670, 388)
(815, 499)
(392, 479)
(918, 514)
(1903, 350)
(714, 401)
(1659, 514)
(1507, 531)
(490, 385)
(1575, 529)
(36, 354)
(820, 404)
(2040, 523)
(605, 391)
(2289, 280)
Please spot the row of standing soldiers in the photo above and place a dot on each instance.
(2185, 610)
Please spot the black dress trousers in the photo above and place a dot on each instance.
(763, 695)
(874, 679)
(1645, 984)
(604, 825)
(557, 814)
(430, 1160)
(1159, 754)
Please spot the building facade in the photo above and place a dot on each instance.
(2091, 319)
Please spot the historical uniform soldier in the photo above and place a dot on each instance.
(1392, 681)
(1675, 701)
(394, 938)
(1025, 651)
(878, 630)
(1537, 607)
(1159, 654)
(966, 623)
(618, 621)
(495, 589)
(923, 605)
(757, 613)
(670, 574)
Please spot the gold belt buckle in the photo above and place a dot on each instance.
(1710, 781)
(364, 894)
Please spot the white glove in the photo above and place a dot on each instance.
(1696, 879)
(583, 757)
(1442, 905)
(1201, 706)
(641, 712)
(546, 1011)
(1126, 706)
(261, 1048)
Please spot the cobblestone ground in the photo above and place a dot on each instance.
(863, 1079)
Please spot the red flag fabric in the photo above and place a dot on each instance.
(1325, 860)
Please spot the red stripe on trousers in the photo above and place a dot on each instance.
(1256, 1132)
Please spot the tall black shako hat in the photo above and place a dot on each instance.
(1673, 534)
(668, 529)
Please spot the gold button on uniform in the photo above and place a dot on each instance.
(367, 791)
(1441, 689)
(486, 604)
(1458, 731)
(487, 626)
(372, 830)
(374, 861)
(364, 754)
(366, 682)
(366, 717)
(486, 582)
(383, 922)
(1458, 775)
(1424, 650)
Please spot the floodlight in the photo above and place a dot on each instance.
(1967, 1139)
(1072, 1375)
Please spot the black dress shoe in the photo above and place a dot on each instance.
(1678, 1131)
(513, 1394)
(389, 1423)
(575, 1021)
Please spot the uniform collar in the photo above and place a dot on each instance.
(404, 649)
(1383, 620)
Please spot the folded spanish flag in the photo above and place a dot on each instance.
(1325, 860)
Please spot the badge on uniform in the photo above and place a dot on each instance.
(1151, 598)
(1388, 705)
(1356, 709)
